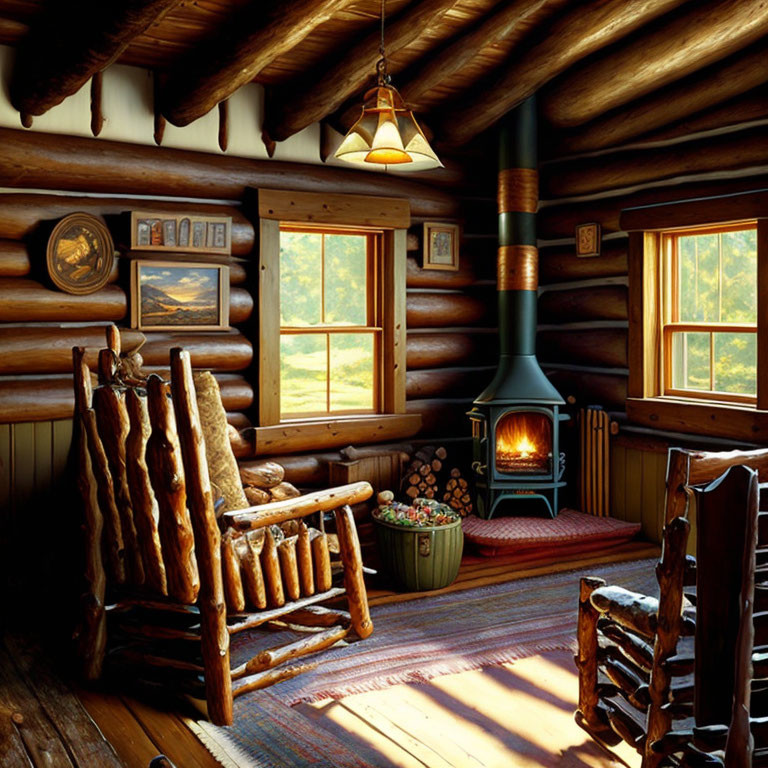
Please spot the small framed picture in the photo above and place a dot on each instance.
(441, 246)
(181, 233)
(179, 295)
(588, 239)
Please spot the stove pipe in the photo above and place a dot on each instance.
(518, 377)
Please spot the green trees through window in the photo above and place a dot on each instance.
(712, 334)
(329, 331)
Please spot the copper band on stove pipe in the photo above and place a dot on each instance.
(518, 268)
(518, 190)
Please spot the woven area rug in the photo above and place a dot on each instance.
(413, 641)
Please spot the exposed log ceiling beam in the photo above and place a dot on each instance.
(710, 86)
(68, 45)
(576, 35)
(290, 110)
(688, 42)
(256, 36)
(508, 24)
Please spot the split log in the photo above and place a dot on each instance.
(608, 302)
(586, 657)
(113, 423)
(726, 152)
(272, 657)
(574, 36)
(447, 382)
(294, 108)
(437, 310)
(21, 214)
(706, 88)
(143, 503)
(651, 60)
(92, 634)
(437, 350)
(283, 491)
(32, 160)
(167, 475)
(24, 300)
(456, 493)
(62, 52)
(240, 305)
(632, 610)
(14, 259)
(354, 584)
(113, 543)
(596, 346)
(289, 567)
(420, 477)
(232, 580)
(262, 474)
(304, 560)
(252, 574)
(416, 277)
(560, 264)
(213, 616)
(218, 351)
(255, 37)
(321, 561)
(278, 512)
(270, 566)
(256, 496)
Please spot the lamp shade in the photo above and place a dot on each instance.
(387, 134)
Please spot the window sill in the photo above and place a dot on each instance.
(739, 422)
(323, 434)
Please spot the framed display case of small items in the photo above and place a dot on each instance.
(441, 246)
(588, 239)
(179, 296)
(80, 254)
(180, 233)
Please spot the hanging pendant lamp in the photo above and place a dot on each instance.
(387, 132)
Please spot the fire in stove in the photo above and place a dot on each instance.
(524, 443)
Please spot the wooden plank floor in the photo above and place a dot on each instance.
(512, 715)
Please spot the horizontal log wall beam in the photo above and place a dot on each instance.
(726, 152)
(64, 49)
(29, 159)
(597, 346)
(691, 40)
(416, 277)
(21, 214)
(14, 259)
(434, 350)
(608, 390)
(240, 305)
(447, 382)
(23, 300)
(560, 264)
(575, 35)
(596, 303)
(211, 351)
(442, 418)
(435, 310)
(702, 90)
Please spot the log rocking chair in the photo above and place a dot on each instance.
(167, 580)
(659, 674)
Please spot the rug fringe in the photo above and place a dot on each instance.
(512, 654)
(214, 740)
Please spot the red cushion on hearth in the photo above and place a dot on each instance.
(571, 532)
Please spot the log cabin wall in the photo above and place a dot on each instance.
(583, 312)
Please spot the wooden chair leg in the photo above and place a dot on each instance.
(349, 544)
(586, 658)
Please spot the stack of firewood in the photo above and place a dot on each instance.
(264, 482)
(428, 476)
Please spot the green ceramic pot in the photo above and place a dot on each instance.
(419, 559)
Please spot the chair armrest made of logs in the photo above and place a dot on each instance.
(277, 512)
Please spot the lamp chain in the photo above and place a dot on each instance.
(381, 65)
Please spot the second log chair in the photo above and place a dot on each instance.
(637, 674)
(167, 581)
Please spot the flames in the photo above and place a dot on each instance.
(523, 442)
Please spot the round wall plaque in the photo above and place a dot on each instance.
(80, 254)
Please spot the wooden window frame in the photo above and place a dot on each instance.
(390, 217)
(647, 403)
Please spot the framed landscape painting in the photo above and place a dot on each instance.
(178, 296)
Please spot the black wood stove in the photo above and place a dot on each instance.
(517, 462)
